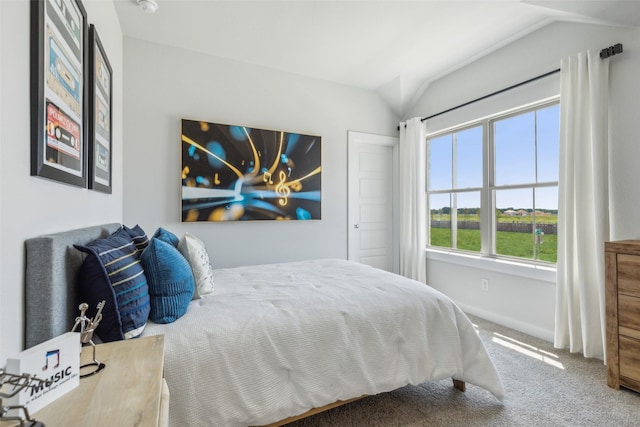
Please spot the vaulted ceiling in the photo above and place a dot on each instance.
(393, 47)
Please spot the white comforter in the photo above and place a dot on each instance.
(274, 341)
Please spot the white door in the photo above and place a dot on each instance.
(372, 200)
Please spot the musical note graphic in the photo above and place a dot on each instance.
(52, 354)
(282, 190)
(266, 177)
(216, 180)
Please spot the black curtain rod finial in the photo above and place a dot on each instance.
(611, 50)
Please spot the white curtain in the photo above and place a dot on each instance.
(412, 199)
(583, 210)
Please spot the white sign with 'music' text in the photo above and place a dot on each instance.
(56, 362)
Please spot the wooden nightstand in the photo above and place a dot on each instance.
(130, 391)
(622, 292)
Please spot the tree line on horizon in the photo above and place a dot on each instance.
(474, 211)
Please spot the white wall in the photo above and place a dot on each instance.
(164, 85)
(32, 206)
(514, 299)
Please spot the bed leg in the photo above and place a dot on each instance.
(460, 385)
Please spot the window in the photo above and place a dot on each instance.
(492, 185)
(455, 181)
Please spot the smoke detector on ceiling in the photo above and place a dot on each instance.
(148, 6)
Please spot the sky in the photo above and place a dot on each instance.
(517, 138)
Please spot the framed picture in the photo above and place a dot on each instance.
(100, 89)
(237, 173)
(58, 91)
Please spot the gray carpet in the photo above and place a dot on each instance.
(544, 387)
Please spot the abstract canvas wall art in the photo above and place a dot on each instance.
(238, 173)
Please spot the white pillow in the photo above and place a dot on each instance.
(195, 252)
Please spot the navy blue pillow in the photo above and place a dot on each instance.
(112, 272)
(167, 236)
(171, 282)
(138, 236)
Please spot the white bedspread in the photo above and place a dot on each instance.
(274, 341)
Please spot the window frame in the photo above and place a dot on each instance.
(488, 220)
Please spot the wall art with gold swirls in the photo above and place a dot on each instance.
(237, 173)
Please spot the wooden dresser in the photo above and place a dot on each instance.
(130, 391)
(622, 295)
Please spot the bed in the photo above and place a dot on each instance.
(279, 341)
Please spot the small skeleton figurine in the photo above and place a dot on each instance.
(87, 327)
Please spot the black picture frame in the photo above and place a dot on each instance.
(58, 91)
(100, 117)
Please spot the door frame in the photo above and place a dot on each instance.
(354, 138)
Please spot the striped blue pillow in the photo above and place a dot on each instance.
(171, 282)
(138, 236)
(112, 272)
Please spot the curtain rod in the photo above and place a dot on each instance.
(604, 53)
(533, 79)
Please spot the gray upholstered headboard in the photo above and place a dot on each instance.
(52, 267)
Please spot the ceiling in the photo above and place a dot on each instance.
(393, 47)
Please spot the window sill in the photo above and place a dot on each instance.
(521, 269)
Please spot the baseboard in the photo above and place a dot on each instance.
(518, 325)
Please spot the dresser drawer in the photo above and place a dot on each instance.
(629, 274)
(622, 303)
(629, 316)
(630, 358)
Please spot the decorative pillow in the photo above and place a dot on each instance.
(166, 236)
(170, 281)
(138, 236)
(196, 254)
(112, 272)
